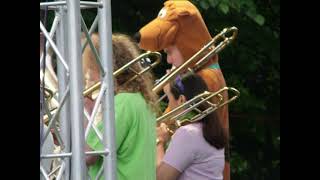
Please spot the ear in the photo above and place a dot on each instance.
(182, 99)
(183, 12)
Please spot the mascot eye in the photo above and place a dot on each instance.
(162, 13)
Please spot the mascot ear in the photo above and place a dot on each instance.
(183, 12)
(169, 37)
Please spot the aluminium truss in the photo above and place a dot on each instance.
(69, 114)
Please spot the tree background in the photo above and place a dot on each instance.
(251, 64)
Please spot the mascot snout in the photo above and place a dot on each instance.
(156, 35)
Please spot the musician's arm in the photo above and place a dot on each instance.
(90, 160)
(160, 152)
(167, 172)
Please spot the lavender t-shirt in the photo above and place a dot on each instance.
(189, 153)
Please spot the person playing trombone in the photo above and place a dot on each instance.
(135, 115)
(181, 32)
(196, 150)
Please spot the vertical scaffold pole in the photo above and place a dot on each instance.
(61, 36)
(70, 77)
(78, 166)
(105, 33)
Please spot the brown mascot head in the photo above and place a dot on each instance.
(178, 23)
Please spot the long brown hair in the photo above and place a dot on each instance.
(212, 129)
(124, 50)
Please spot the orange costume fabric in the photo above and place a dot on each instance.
(180, 23)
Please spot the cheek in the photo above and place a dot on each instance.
(171, 103)
(169, 59)
(178, 62)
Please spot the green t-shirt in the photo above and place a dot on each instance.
(135, 139)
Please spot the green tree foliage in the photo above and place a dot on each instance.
(251, 64)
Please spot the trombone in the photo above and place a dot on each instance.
(143, 59)
(48, 93)
(205, 54)
(195, 102)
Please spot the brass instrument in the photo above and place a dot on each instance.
(141, 58)
(46, 117)
(177, 113)
(48, 94)
(48, 75)
(205, 54)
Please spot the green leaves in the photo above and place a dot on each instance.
(204, 5)
(213, 3)
(242, 163)
(247, 7)
(224, 8)
(259, 19)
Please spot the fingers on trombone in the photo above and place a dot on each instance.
(172, 68)
(165, 128)
(170, 131)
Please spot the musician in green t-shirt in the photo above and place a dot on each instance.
(135, 118)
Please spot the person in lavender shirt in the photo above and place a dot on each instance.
(196, 150)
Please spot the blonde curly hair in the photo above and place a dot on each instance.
(124, 50)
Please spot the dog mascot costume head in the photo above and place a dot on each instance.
(180, 23)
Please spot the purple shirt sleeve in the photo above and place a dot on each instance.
(180, 152)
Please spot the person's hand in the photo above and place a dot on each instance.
(163, 134)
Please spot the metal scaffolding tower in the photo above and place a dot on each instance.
(68, 115)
